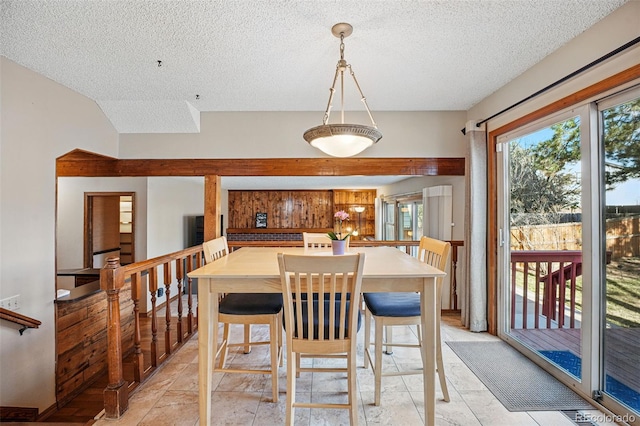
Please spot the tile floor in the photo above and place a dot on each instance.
(170, 397)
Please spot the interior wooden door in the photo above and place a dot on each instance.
(102, 237)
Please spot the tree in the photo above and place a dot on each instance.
(537, 195)
(621, 144)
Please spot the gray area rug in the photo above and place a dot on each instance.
(518, 383)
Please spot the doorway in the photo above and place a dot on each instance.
(109, 228)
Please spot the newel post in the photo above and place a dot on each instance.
(116, 397)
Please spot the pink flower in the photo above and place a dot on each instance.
(341, 215)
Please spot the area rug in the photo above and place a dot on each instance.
(518, 383)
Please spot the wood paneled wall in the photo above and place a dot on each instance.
(284, 209)
(364, 222)
(81, 340)
(301, 209)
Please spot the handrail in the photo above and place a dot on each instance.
(551, 273)
(112, 280)
(23, 320)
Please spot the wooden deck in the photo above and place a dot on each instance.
(622, 349)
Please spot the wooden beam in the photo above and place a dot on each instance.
(99, 166)
(212, 188)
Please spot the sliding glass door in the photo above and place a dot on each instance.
(543, 240)
(620, 121)
(569, 247)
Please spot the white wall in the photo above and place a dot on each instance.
(41, 120)
(170, 201)
(70, 232)
(279, 135)
(605, 36)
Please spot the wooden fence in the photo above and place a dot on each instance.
(623, 237)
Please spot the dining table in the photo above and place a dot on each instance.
(255, 270)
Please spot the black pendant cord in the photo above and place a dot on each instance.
(562, 80)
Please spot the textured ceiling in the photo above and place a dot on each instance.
(280, 55)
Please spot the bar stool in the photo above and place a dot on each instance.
(393, 309)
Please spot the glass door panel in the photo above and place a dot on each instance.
(410, 222)
(543, 241)
(621, 328)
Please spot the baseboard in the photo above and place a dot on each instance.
(18, 414)
(450, 312)
(49, 411)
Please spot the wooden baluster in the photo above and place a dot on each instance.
(167, 306)
(574, 274)
(549, 295)
(536, 319)
(153, 289)
(562, 294)
(190, 268)
(179, 277)
(453, 294)
(138, 356)
(525, 295)
(513, 293)
(116, 395)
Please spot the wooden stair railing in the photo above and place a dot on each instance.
(23, 320)
(113, 278)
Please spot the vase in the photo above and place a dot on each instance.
(338, 246)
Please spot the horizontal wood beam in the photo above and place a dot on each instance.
(99, 166)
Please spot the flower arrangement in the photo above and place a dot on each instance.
(340, 217)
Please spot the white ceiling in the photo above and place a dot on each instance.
(280, 55)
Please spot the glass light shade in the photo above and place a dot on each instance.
(342, 140)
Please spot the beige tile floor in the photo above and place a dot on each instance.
(170, 397)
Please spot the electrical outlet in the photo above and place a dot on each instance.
(11, 303)
(160, 292)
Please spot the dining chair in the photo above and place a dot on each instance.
(247, 309)
(316, 240)
(320, 321)
(393, 309)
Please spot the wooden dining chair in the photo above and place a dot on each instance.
(393, 309)
(316, 240)
(319, 319)
(247, 309)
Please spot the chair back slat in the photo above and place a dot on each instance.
(316, 240)
(434, 252)
(215, 249)
(314, 288)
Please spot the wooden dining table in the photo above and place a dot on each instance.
(255, 270)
